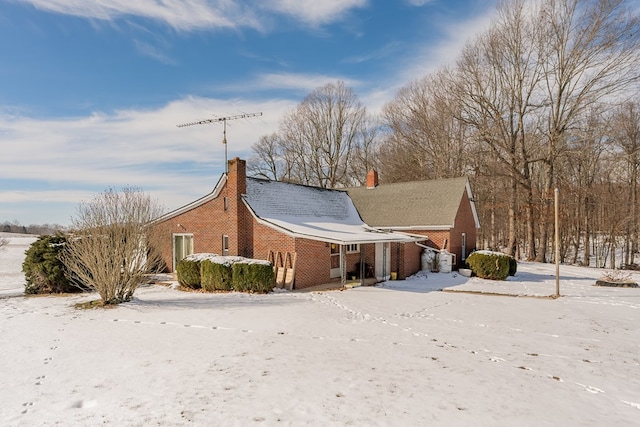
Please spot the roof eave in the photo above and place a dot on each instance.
(417, 227)
(199, 202)
(405, 238)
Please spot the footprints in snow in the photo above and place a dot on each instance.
(39, 380)
(26, 406)
(183, 325)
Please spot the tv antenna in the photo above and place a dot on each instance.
(224, 131)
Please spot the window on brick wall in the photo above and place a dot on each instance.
(225, 202)
(225, 245)
(182, 247)
(353, 248)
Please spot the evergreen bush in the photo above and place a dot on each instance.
(253, 277)
(188, 272)
(215, 276)
(489, 265)
(43, 270)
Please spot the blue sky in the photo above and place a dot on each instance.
(91, 92)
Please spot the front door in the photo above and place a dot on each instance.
(335, 261)
(182, 247)
(383, 261)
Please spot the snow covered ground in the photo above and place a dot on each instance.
(400, 354)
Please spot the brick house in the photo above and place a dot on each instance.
(443, 211)
(255, 218)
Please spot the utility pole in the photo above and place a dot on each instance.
(224, 129)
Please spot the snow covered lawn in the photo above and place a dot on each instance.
(398, 354)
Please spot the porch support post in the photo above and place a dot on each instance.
(362, 269)
(343, 264)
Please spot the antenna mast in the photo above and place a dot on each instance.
(224, 129)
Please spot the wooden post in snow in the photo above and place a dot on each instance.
(557, 192)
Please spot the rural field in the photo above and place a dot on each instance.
(402, 353)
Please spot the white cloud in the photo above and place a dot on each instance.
(301, 82)
(454, 34)
(429, 56)
(418, 2)
(316, 12)
(151, 51)
(189, 15)
(182, 15)
(143, 148)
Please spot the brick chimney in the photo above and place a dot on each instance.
(238, 214)
(372, 179)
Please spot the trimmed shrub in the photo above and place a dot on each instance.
(253, 277)
(215, 276)
(43, 270)
(489, 265)
(188, 272)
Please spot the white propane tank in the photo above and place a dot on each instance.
(426, 260)
(446, 261)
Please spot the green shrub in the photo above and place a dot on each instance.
(489, 265)
(253, 277)
(188, 272)
(43, 270)
(215, 276)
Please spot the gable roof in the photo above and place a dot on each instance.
(312, 212)
(199, 202)
(416, 205)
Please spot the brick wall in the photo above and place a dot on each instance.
(314, 263)
(208, 222)
(464, 223)
(405, 259)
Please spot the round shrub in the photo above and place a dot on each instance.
(215, 276)
(489, 265)
(43, 270)
(188, 272)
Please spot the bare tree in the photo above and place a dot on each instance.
(268, 160)
(496, 78)
(626, 134)
(425, 139)
(590, 52)
(111, 246)
(321, 142)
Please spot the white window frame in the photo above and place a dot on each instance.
(225, 244)
(353, 248)
(189, 249)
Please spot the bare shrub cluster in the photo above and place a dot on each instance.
(111, 246)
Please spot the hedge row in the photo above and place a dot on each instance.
(216, 273)
(492, 265)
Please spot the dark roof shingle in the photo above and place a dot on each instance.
(431, 203)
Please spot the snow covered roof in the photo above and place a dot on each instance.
(313, 213)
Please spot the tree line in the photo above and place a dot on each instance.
(545, 98)
(39, 229)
